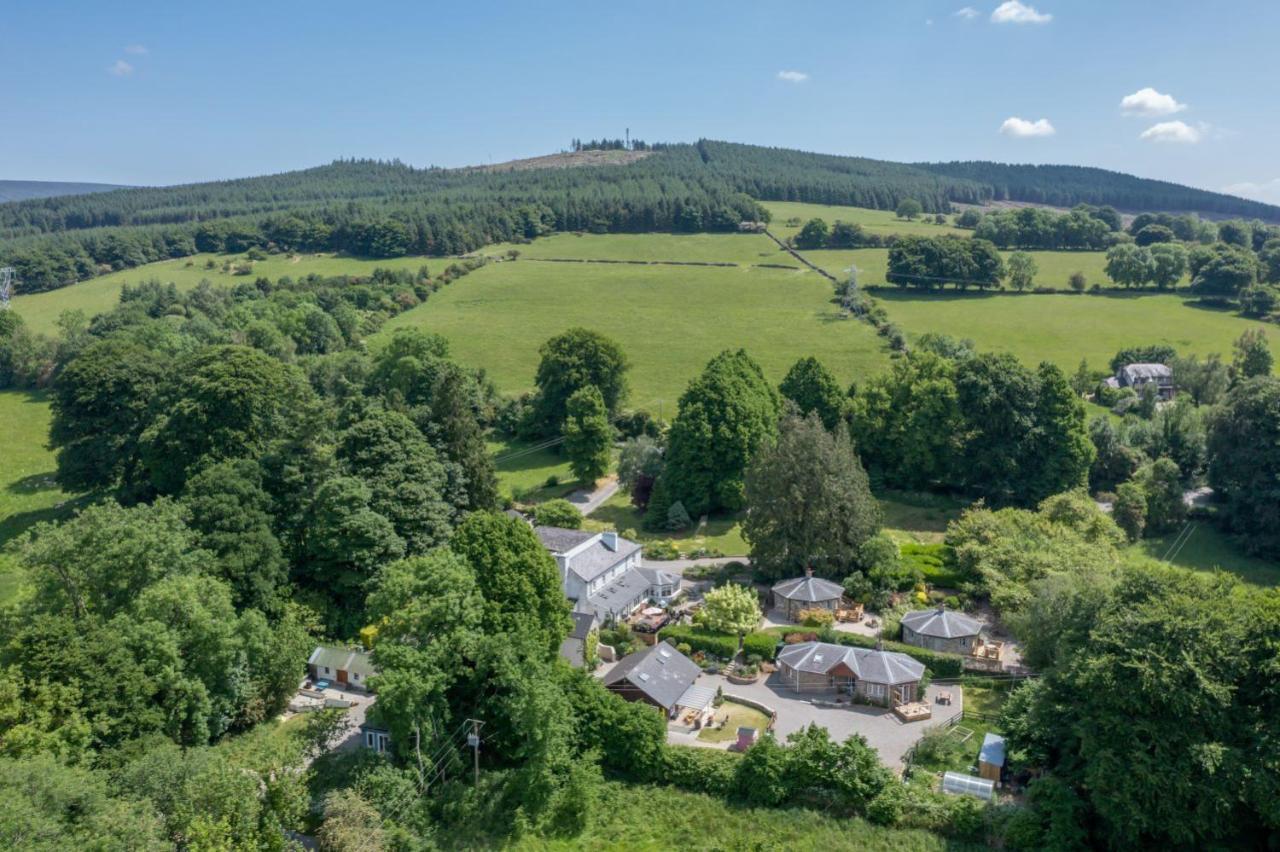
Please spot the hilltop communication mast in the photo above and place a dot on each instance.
(6, 286)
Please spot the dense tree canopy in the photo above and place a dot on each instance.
(809, 505)
(1152, 709)
(1244, 462)
(569, 362)
(726, 414)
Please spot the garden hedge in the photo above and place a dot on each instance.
(723, 645)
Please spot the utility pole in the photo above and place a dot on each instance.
(473, 740)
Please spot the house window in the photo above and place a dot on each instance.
(326, 669)
(875, 690)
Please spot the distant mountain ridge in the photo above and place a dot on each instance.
(377, 209)
(24, 190)
(1066, 186)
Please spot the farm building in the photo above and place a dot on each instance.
(887, 678)
(941, 629)
(345, 668)
(808, 592)
(663, 677)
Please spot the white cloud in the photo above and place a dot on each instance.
(1148, 102)
(1020, 128)
(793, 76)
(136, 49)
(1013, 12)
(1267, 190)
(1174, 131)
(120, 68)
(968, 13)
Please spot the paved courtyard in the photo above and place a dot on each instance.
(885, 732)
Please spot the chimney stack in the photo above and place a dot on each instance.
(808, 571)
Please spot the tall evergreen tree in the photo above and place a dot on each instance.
(809, 505)
(812, 388)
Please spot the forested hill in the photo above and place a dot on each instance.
(388, 209)
(22, 190)
(1067, 186)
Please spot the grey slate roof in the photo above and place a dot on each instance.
(886, 667)
(942, 623)
(808, 590)
(560, 540)
(658, 577)
(582, 624)
(1146, 372)
(661, 672)
(623, 590)
(351, 660)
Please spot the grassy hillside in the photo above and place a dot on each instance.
(1054, 268)
(27, 491)
(669, 320)
(1064, 328)
(41, 310)
(746, 249)
(883, 222)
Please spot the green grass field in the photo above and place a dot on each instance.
(1208, 549)
(669, 321)
(721, 532)
(523, 472)
(1054, 268)
(746, 249)
(1065, 328)
(27, 491)
(882, 222)
(41, 310)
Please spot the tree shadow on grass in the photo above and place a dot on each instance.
(16, 524)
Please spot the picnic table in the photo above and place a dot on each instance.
(944, 697)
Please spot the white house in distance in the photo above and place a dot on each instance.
(345, 668)
(601, 572)
(1137, 375)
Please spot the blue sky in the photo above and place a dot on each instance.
(135, 92)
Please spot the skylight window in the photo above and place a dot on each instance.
(644, 676)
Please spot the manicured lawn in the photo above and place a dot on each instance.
(642, 818)
(739, 716)
(722, 532)
(669, 321)
(28, 493)
(1064, 328)
(702, 248)
(1207, 549)
(882, 222)
(523, 471)
(41, 310)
